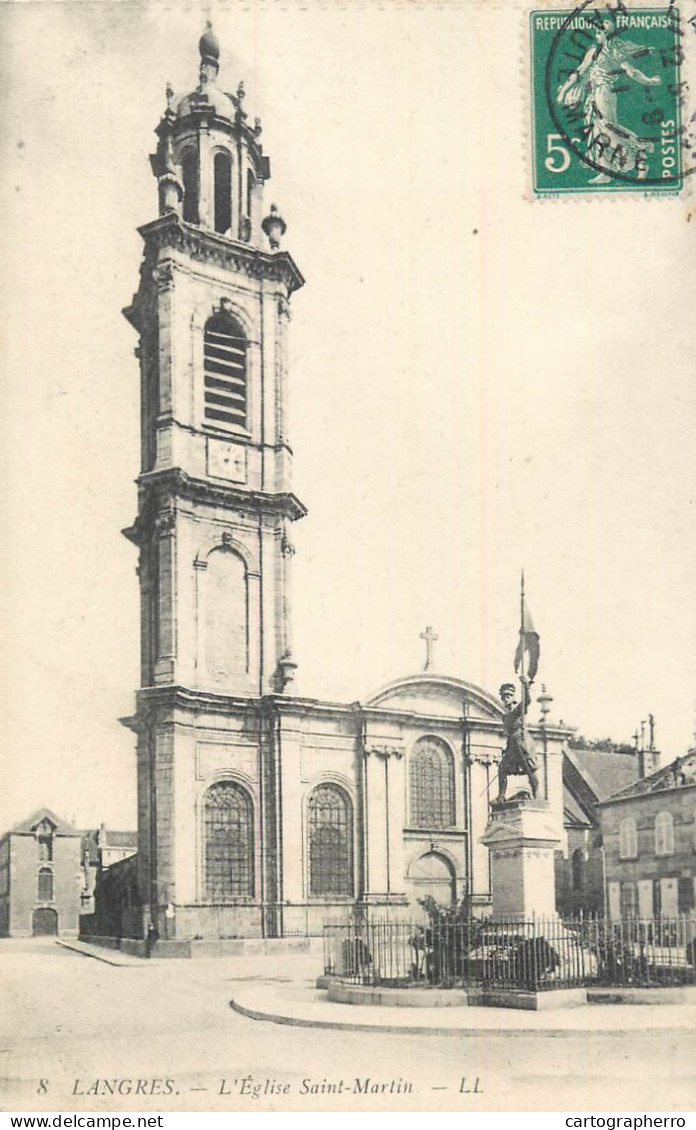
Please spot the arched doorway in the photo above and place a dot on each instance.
(44, 921)
(432, 874)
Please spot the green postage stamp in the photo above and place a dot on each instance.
(610, 99)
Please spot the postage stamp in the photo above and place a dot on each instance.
(608, 100)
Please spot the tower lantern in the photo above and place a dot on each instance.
(209, 163)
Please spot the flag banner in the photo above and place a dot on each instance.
(527, 654)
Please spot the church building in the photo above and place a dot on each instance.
(260, 812)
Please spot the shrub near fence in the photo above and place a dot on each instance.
(538, 954)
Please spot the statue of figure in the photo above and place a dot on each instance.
(518, 756)
(596, 83)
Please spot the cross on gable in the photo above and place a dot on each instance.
(430, 637)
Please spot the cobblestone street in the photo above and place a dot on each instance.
(79, 1034)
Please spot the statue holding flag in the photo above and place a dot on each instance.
(518, 755)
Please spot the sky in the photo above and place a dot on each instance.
(479, 382)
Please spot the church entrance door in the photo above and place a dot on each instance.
(44, 921)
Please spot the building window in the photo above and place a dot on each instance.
(628, 900)
(189, 176)
(330, 835)
(45, 845)
(223, 192)
(686, 893)
(578, 868)
(225, 366)
(229, 843)
(250, 193)
(628, 839)
(45, 892)
(432, 784)
(664, 834)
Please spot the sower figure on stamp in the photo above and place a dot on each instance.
(518, 755)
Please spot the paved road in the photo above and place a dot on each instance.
(162, 1036)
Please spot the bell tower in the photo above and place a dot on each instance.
(215, 502)
(215, 509)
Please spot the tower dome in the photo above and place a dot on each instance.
(209, 46)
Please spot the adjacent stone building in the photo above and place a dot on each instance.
(259, 811)
(40, 877)
(649, 836)
(592, 772)
(102, 847)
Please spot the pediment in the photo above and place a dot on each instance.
(442, 695)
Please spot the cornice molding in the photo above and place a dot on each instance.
(175, 483)
(169, 231)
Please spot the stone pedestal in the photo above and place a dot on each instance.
(521, 840)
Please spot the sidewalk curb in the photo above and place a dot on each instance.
(466, 1030)
(106, 955)
(419, 1030)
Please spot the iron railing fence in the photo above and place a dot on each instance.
(542, 953)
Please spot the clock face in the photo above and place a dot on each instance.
(227, 461)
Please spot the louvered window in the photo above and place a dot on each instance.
(225, 365)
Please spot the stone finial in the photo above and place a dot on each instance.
(169, 92)
(209, 49)
(286, 671)
(275, 227)
(258, 128)
(209, 46)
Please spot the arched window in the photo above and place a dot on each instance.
(432, 784)
(330, 834)
(224, 361)
(628, 839)
(45, 892)
(251, 183)
(578, 866)
(229, 843)
(223, 191)
(189, 176)
(664, 834)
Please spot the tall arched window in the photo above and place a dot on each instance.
(432, 784)
(251, 183)
(578, 866)
(664, 834)
(330, 834)
(189, 177)
(225, 366)
(45, 891)
(628, 839)
(229, 843)
(223, 191)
